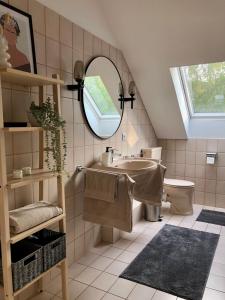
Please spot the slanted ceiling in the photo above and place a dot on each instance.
(155, 35)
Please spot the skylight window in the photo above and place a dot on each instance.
(204, 87)
(100, 95)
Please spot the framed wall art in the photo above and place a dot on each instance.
(18, 31)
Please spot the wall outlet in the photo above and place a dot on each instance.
(124, 137)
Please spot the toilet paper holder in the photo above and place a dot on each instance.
(210, 158)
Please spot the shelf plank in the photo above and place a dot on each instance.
(39, 277)
(20, 236)
(18, 77)
(37, 175)
(21, 129)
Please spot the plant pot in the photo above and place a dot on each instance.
(33, 122)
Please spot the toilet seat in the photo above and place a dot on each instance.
(178, 183)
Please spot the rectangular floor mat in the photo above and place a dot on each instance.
(176, 261)
(212, 217)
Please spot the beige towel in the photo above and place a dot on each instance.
(149, 185)
(26, 217)
(117, 214)
(101, 185)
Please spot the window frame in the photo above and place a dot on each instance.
(189, 103)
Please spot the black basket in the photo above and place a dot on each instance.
(53, 246)
(26, 263)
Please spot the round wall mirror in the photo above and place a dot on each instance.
(100, 97)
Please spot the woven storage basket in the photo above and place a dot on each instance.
(53, 246)
(26, 263)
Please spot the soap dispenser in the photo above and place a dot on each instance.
(107, 157)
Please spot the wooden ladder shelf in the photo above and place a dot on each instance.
(12, 76)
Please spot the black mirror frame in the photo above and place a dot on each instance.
(82, 98)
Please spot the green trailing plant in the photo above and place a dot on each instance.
(52, 124)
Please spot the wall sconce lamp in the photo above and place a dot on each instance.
(78, 75)
(131, 91)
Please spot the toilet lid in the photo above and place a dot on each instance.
(178, 183)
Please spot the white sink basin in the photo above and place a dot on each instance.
(128, 166)
(135, 165)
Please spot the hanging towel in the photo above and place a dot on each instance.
(114, 214)
(101, 185)
(26, 217)
(149, 185)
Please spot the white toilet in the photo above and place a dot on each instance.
(178, 192)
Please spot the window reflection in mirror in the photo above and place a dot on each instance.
(101, 105)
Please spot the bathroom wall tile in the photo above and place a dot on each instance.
(190, 157)
(180, 157)
(210, 186)
(220, 187)
(200, 158)
(221, 173)
(52, 24)
(190, 171)
(180, 169)
(210, 199)
(66, 32)
(212, 145)
(201, 145)
(52, 53)
(180, 145)
(221, 145)
(78, 38)
(171, 156)
(210, 172)
(191, 145)
(66, 58)
(21, 4)
(171, 144)
(38, 16)
(220, 200)
(200, 171)
(40, 48)
(88, 42)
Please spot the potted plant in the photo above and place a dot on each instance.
(52, 123)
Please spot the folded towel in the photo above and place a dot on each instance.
(101, 185)
(26, 217)
(114, 214)
(154, 153)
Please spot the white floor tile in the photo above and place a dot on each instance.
(42, 296)
(104, 281)
(122, 243)
(127, 256)
(122, 288)
(88, 259)
(91, 293)
(213, 295)
(88, 275)
(200, 226)
(113, 252)
(141, 292)
(111, 297)
(101, 248)
(135, 247)
(116, 268)
(216, 283)
(101, 263)
(213, 228)
(163, 296)
(218, 269)
(76, 269)
(75, 289)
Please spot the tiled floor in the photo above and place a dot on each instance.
(95, 276)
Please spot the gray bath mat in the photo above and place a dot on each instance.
(211, 216)
(176, 261)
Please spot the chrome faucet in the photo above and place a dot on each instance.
(115, 152)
